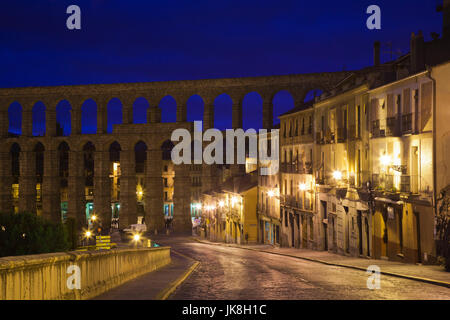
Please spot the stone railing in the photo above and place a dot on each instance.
(46, 276)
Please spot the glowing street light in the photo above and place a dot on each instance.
(302, 187)
(270, 193)
(88, 234)
(385, 160)
(136, 237)
(221, 204)
(337, 175)
(94, 217)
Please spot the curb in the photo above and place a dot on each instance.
(165, 294)
(398, 275)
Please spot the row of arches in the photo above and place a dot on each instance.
(34, 168)
(251, 104)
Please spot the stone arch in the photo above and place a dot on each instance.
(168, 106)
(38, 119)
(252, 103)
(140, 109)
(15, 118)
(63, 118)
(89, 116)
(114, 111)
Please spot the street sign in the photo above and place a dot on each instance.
(103, 242)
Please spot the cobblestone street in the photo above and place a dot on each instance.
(234, 273)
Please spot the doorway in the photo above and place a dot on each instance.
(323, 205)
(367, 237)
(292, 226)
(419, 249)
(360, 234)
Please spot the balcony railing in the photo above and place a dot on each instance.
(396, 183)
(407, 123)
(391, 127)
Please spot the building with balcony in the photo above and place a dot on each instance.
(341, 168)
(297, 182)
(268, 210)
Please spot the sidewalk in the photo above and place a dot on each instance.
(424, 273)
(156, 285)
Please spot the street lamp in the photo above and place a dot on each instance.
(385, 160)
(136, 239)
(337, 175)
(302, 186)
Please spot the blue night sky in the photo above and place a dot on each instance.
(134, 41)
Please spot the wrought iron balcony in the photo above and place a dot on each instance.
(407, 123)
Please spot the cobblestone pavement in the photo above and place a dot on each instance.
(234, 273)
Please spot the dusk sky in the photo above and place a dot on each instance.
(139, 41)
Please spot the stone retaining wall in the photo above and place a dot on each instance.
(45, 276)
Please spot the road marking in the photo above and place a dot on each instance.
(165, 294)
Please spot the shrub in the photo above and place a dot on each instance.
(25, 233)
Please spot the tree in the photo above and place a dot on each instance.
(443, 226)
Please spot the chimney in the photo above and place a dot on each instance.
(446, 22)
(417, 54)
(376, 53)
(445, 9)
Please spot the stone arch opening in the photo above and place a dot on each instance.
(89, 174)
(282, 102)
(194, 108)
(115, 173)
(166, 148)
(63, 118)
(168, 106)
(15, 174)
(140, 107)
(252, 116)
(15, 119)
(63, 164)
(168, 175)
(140, 157)
(39, 170)
(89, 117)
(39, 150)
(114, 111)
(38, 119)
(312, 94)
(223, 112)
